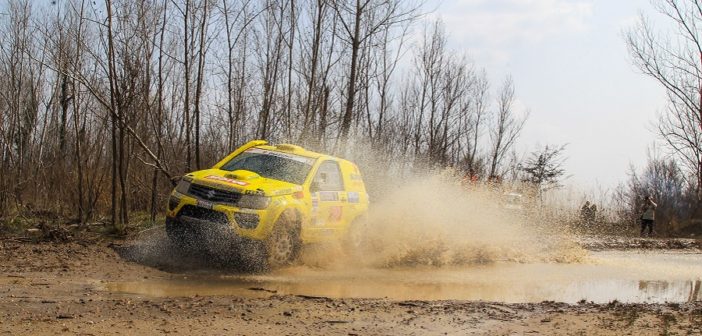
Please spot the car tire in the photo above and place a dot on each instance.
(283, 244)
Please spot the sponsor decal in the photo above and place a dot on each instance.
(224, 179)
(315, 204)
(353, 197)
(355, 177)
(335, 213)
(283, 192)
(217, 185)
(205, 204)
(328, 196)
(257, 192)
(327, 232)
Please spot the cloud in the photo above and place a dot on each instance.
(499, 23)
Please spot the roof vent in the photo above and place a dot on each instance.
(289, 148)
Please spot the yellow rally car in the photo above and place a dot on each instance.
(282, 196)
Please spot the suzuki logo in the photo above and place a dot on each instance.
(211, 194)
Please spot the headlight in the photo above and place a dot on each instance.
(173, 203)
(253, 202)
(183, 187)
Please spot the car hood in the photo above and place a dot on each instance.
(243, 181)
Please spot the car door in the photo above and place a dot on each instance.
(328, 198)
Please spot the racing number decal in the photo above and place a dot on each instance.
(335, 213)
(328, 196)
(353, 197)
(331, 195)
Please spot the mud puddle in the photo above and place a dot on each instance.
(625, 276)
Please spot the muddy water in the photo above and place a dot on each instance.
(626, 276)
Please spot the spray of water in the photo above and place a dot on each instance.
(435, 220)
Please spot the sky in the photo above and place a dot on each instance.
(571, 71)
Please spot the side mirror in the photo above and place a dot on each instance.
(314, 186)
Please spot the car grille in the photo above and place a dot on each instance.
(214, 195)
(204, 214)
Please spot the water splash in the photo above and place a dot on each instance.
(433, 220)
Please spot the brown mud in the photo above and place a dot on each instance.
(595, 243)
(73, 288)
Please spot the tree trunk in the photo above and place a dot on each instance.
(198, 89)
(351, 95)
(113, 114)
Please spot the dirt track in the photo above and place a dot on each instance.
(50, 288)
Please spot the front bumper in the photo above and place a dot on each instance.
(200, 229)
(234, 222)
(206, 235)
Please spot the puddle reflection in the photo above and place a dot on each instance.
(625, 277)
(598, 292)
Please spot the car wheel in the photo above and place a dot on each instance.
(283, 244)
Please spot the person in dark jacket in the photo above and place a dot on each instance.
(586, 213)
(648, 215)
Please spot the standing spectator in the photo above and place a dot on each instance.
(593, 213)
(585, 213)
(648, 215)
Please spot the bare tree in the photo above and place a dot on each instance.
(429, 64)
(120, 96)
(476, 121)
(270, 39)
(665, 181)
(201, 54)
(360, 21)
(507, 127)
(674, 60)
(20, 97)
(237, 22)
(114, 115)
(388, 64)
(320, 16)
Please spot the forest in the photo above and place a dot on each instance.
(104, 104)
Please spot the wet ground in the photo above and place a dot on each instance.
(636, 276)
(620, 286)
(628, 270)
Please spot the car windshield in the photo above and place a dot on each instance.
(270, 164)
